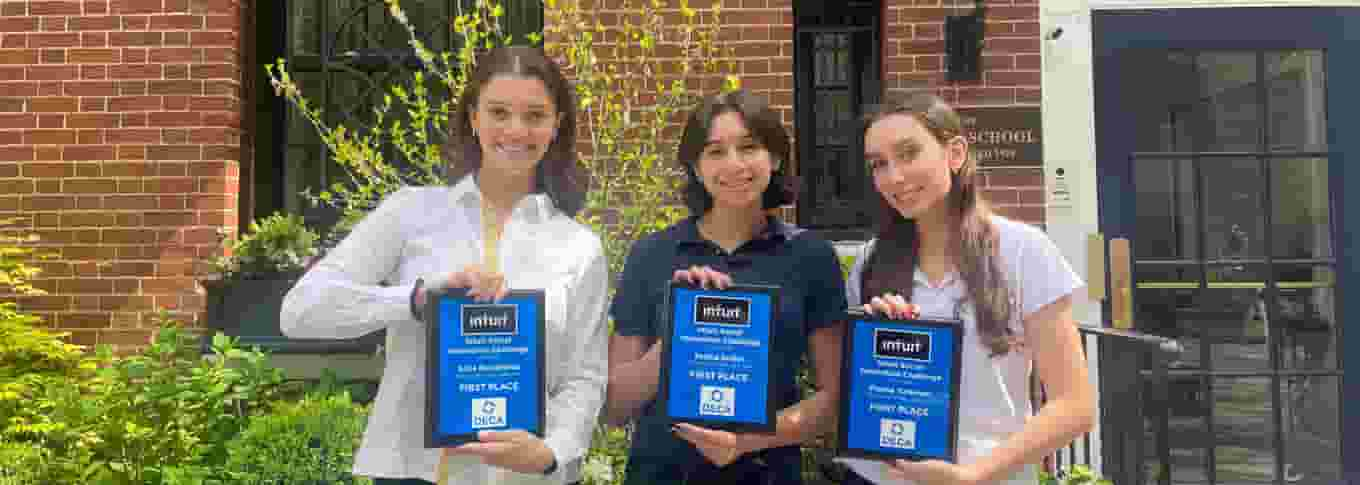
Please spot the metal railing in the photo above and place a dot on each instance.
(1132, 390)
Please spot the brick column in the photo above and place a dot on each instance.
(119, 128)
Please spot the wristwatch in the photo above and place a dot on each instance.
(415, 288)
(551, 467)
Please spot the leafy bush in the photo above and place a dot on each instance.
(22, 463)
(158, 417)
(308, 442)
(37, 371)
(1074, 475)
(278, 246)
(169, 411)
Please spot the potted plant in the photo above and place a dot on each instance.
(251, 279)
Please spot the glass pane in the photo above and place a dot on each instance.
(1298, 108)
(827, 183)
(1312, 440)
(1306, 315)
(305, 26)
(1230, 317)
(345, 24)
(833, 117)
(1234, 226)
(1187, 423)
(1165, 207)
(832, 61)
(1229, 102)
(1162, 106)
(1170, 312)
(1244, 428)
(1301, 216)
(304, 166)
(843, 58)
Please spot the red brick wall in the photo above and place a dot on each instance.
(119, 128)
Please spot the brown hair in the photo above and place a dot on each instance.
(891, 266)
(765, 126)
(558, 175)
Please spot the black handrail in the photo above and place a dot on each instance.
(1133, 387)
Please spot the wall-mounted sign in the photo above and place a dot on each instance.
(1005, 136)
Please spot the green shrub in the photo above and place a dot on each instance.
(1074, 475)
(308, 442)
(22, 463)
(278, 246)
(158, 417)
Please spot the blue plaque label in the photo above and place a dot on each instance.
(899, 388)
(716, 356)
(485, 366)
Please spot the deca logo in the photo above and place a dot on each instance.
(488, 412)
(717, 401)
(897, 433)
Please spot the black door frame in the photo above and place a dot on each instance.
(811, 17)
(1335, 29)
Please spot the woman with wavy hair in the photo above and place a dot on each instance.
(941, 253)
(504, 221)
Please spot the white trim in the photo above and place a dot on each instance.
(1157, 4)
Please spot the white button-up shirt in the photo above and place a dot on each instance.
(431, 232)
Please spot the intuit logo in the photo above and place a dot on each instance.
(901, 344)
(490, 320)
(714, 310)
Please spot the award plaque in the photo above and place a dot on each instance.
(900, 388)
(715, 364)
(484, 365)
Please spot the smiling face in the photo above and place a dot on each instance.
(515, 121)
(733, 166)
(910, 166)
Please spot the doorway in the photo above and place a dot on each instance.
(1219, 156)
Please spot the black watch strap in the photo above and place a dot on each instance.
(415, 288)
(551, 467)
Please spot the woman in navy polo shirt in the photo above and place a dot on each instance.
(734, 151)
(940, 253)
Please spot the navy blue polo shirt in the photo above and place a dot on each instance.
(812, 296)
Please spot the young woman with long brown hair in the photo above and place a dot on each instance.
(941, 253)
(504, 221)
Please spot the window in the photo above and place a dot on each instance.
(837, 62)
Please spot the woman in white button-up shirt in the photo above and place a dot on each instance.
(506, 222)
(941, 254)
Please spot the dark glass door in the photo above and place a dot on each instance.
(1221, 158)
(836, 77)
